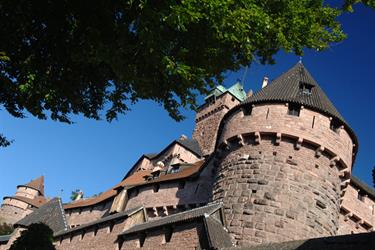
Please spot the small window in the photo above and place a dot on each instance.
(247, 110)
(142, 238)
(211, 100)
(181, 185)
(305, 88)
(361, 196)
(83, 235)
(134, 192)
(294, 109)
(168, 234)
(156, 188)
(110, 228)
(335, 125)
(175, 169)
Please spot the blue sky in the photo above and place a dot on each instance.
(95, 155)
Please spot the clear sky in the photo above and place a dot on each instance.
(95, 155)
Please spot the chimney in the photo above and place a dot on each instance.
(250, 93)
(265, 81)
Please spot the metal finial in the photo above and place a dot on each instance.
(244, 75)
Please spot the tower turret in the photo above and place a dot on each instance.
(27, 197)
(284, 157)
(217, 104)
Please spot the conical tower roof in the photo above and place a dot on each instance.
(37, 184)
(287, 88)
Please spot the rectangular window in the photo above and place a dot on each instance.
(247, 110)
(361, 196)
(294, 109)
(335, 125)
(156, 188)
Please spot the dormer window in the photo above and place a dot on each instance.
(305, 88)
(294, 109)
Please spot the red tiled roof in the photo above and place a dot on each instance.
(36, 202)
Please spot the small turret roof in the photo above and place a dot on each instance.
(236, 90)
(37, 184)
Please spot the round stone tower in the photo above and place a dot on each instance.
(27, 197)
(284, 157)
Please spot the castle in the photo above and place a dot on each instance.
(268, 170)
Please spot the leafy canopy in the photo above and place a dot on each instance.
(59, 58)
(6, 229)
(37, 237)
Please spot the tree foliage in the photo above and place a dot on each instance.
(37, 237)
(59, 58)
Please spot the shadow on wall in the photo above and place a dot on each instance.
(196, 192)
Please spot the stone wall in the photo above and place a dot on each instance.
(84, 215)
(309, 126)
(186, 236)
(27, 192)
(281, 176)
(208, 119)
(98, 236)
(172, 194)
(11, 214)
(275, 193)
(176, 150)
(357, 212)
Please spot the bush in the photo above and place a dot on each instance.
(36, 237)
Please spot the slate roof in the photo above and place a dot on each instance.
(286, 88)
(51, 214)
(363, 186)
(150, 155)
(37, 184)
(100, 221)
(362, 241)
(5, 238)
(171, 219)
(192, 145)
(217, 236)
